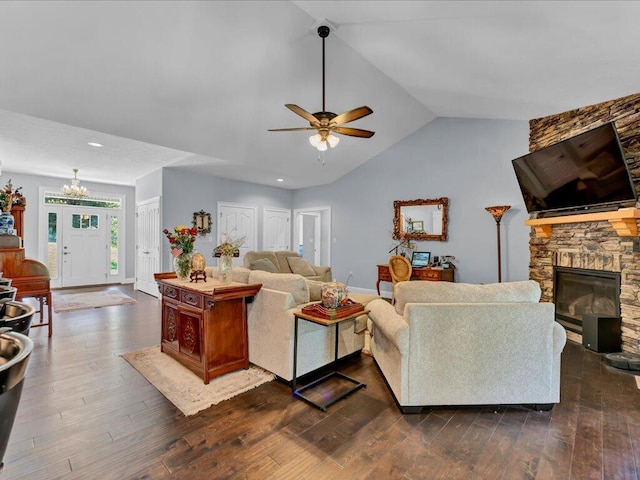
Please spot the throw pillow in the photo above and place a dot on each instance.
(264, 264)
(301, 266)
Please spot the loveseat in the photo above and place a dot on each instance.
(448, 343)
(285, 261)
(271, 324)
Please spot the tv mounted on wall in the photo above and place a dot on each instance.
(582, 173)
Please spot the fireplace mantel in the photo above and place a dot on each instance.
(623, 221)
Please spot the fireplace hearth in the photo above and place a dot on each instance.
(580, 293)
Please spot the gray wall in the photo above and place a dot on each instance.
(185, 193)
(30, 189)
(468, 161)
(149, 186)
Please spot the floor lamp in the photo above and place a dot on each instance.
(497, 212)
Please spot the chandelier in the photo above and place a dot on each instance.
(75, 190)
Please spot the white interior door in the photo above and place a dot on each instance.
(276, 229)
(148, 245)
(237, 221)
(84, 250)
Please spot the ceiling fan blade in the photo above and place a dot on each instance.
(354, 132)
(302, 112)
(289, 129)
(352, 115)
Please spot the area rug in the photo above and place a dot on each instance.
(83, 301)
(184, 388)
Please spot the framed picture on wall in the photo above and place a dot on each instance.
(202, 222)
(417, 227)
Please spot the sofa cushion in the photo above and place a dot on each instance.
(283, 260)
(291, 283)
(448, 292)
(315, 290)
(240, 274)
(256, 255)
(263, 264)
(301, 266)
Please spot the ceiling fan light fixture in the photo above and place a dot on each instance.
(324, 122)
(315, 140)
(333, 140)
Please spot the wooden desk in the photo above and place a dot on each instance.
(429, 274)
(204, 325)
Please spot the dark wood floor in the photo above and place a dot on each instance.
(86, 413)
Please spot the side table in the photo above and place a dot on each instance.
(298, 392)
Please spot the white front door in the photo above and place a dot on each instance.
(277, 229)
(237, 221)
(148, 245)
(85, 250)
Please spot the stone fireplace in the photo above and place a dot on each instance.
(593, 245)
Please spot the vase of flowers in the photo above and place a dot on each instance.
(229, 248)
(8, 199)
(181, 241)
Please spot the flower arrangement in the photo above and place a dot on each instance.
(405, 244)
(10, 197)
(230, 246)
(181, 239)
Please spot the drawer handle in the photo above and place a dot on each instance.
(171, 292)
(191, 299)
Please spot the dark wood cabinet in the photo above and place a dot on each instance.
(204, 325)
(428, 274)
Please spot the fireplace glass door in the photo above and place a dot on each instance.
(580, 291)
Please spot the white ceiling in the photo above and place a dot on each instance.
(198, 84)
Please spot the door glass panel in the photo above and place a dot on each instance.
(84, 221)
(114, 246)
(52, 244)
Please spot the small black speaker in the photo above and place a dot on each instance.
(601, 334)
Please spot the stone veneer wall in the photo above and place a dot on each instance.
(593, 245)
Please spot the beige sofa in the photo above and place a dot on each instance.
(283, 264)
(459, 344)
(271, 324)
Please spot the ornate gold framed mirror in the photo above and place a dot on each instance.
(202, 222)
(422, 219)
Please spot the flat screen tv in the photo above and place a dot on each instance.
(585, 172)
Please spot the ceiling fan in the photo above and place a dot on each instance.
(326, 123)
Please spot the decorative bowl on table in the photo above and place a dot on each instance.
(334, 294)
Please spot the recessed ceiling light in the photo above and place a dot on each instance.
(281, 180)
(94, 144)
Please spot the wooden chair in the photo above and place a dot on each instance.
(400, 270)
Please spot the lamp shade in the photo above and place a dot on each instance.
(498, 211)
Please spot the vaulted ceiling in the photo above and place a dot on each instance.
(197, 85)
